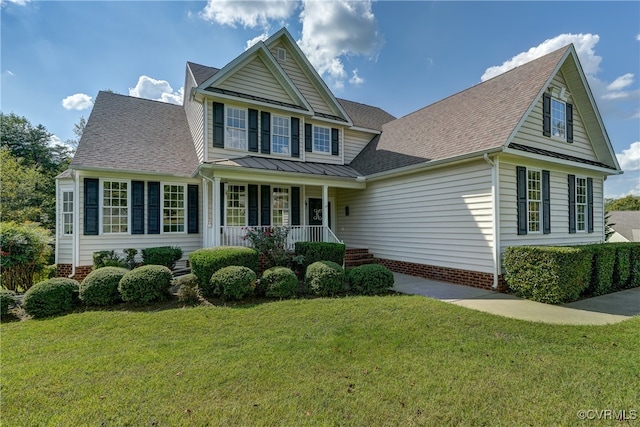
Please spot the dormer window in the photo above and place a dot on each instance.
(557, 118)
(236, 128)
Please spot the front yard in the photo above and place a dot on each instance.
(393, 360)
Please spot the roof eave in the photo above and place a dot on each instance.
(82, 168)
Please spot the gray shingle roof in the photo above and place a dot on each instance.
(627, 223)
(477, 119)
(263, 163)
(201, 72)
(124, 133)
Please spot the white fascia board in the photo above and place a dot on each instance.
(366, 130)
(566, 163)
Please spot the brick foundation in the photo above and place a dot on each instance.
(64, 270)
(475, 279)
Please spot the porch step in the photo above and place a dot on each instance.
(355, 257)
(181, 268)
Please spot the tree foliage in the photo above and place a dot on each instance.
(627, 203)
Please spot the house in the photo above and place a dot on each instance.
(516, 160)
(626, 226)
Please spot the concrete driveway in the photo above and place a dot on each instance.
(611, 308)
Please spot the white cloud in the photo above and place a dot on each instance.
(11, 73)
(157, 90)
(621, 82)
(262, 37)
(16, 2)
(355, 79)
(333, 30)
(638, 37)
(78, 101)
(248, 13)
(630, 158)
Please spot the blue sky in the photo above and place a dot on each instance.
(400, 56)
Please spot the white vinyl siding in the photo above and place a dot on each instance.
(440, 218)
(195, 118)
(354, 143)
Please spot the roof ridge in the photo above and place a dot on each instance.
(108, 92)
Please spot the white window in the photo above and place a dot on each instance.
(321, 139)
(236, 205)
(534, 200)
(236, 128)
(581, 204)
(558, 119)
(67, 213)
(280, 207)
(280, 129)
(115, 207)
(173, 208)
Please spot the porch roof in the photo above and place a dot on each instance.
(278, 165)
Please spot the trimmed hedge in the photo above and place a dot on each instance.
(370, 279)
(622, 269)
(325, 278)
(320, 251)
(634, 280)
(162, 255)
(145, 284)
(205, 262)
(7, 299)
(51, 297)
(100, 287)
(233, 282)
(602, 266)
(546, 273)
(279, 282)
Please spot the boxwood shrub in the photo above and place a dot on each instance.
(51, 297)
(7, 299)
(320, 251)
(205, 262)
(162, 255)
(370, 279)
(100, 287)
(145, 284)
(233, 282)
(279, 282)
(546, 273)
(324, 278)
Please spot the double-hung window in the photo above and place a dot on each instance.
(534, 200)
(280, 207)
(173, 208)
(236, 208)
(236, 128)
(67, 213)
(581, 204)
(321, 139)
(280, 134)
(558, 119)
(115, 207)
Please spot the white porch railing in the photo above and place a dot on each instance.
(235, 236)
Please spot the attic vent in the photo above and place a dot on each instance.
(281, 54)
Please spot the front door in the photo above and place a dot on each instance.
(315, 212)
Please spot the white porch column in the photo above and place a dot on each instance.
(325, 212)
(216, 211)
(206, 225)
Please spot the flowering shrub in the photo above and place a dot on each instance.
(271, 242)
(25, 248)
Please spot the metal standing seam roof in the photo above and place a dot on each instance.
(279, 165)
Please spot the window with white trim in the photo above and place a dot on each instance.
(174, 208)
(558, 119)
(236, 128)
(236, 209)
(534, 200)
(280, 129)
(581, 204)
(67, 213)
(115, 207)
(321, 139)
(280, 207)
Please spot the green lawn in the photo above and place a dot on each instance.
(383, 361)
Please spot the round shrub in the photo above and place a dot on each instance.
(145, 284)
(188, 289)
(279, 282)
(370, 279)
(100, 287)
(51, 297)
(205, 262)
(7, 299)
(233, 282)
(324, 278)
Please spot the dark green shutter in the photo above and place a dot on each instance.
(253, 130)
(546, 114)
(295, 137)
(308, 138)
(253, 205)
(153, 208)
(546, 203)
(265, 205)
(192, 209)
(218, 125)
(295, 205)
(335, 142)
(521, 177)
(137, 207)
(569, 122)
(91, 206)
(265, 146)
(572, 203)
(589, 205)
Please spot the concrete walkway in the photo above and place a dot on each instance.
(611, 308)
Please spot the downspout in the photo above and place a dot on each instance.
(495, 218)
(76, 223)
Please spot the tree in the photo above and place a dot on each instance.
(627, 203)
(21, 192)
